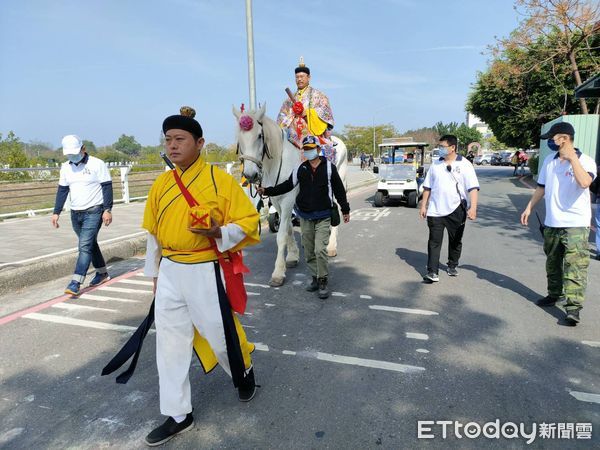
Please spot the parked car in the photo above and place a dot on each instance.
(483, 160)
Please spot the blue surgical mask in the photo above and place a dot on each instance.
(311, 154)
(75, 158)
(553, 145)
(443, 152)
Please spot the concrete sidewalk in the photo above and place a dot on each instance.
(32, 251)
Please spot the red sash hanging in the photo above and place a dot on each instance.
(233, 268)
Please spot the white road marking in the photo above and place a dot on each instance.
(338, 294)
(124, 290)
(591, 343)
(102, 298)
(586, 397)
(422, 350)
(351, 360)
(253, 293)
(261, 347)
(75, 307)
(266, 286)
(140, 282)
(419, 336)
(297, 283)
(288, 352)
(80, 322)
(368, 297)
(269, 304)
(422, 312)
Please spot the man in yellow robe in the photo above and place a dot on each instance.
(192, 311)
(309, 114)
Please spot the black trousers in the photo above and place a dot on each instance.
(454, 223)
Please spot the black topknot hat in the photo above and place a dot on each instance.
(183, 121)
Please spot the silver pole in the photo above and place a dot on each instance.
(250, 42)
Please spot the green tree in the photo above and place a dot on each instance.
(532, 75)
(360, 139)
(128, 146)
(13, 155)
(90, 147)
(466, 135)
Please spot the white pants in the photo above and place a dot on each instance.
(186, 297)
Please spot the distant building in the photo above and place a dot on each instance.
(475, 122)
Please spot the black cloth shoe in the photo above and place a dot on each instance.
(247, 390)
(547, 301)
(169, 430)
(323, 291)
(452, 271)
(313, 286)
(573, 317)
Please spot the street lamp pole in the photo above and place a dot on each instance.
(250, 45)
(373, 136)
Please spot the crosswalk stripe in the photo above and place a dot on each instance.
(80, 322)
(140, 282)
(422, 312)
(591, 343)
(124, 290)
(419, 336)
(266, 286)
(586, 396)
(373, 363)
(103, 298)
(75, 307)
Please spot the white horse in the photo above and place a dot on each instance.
(269, 159)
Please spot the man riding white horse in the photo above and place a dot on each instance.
(307, 112)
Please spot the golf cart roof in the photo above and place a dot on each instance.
(401, 143)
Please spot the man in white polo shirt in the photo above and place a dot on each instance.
(88, 181)
(564, 181)
(450, 196)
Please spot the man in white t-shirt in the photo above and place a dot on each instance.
(449, 198)
(564, 180)
(88, 181)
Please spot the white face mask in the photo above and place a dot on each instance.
(75, 158)
(311, 154)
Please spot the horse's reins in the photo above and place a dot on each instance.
(259, 162)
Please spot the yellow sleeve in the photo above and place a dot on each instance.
(149, 222)
(242, 212)
(316, 126)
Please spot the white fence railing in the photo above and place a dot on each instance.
(35, 187)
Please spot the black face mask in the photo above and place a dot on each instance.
(553, 145)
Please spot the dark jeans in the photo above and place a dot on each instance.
(454, 223)
(86, 225)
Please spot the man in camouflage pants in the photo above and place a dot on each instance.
(564, 180)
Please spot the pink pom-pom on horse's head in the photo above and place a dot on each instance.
(246, 123)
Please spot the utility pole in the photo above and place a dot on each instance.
(250, 45)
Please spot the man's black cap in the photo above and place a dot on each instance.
(559, 128)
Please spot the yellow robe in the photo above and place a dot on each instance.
(166, 217)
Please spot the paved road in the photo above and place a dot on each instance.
(356, 371)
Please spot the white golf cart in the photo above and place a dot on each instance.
(400, 172)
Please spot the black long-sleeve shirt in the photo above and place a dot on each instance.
(314, 188)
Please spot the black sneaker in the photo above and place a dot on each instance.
(573, 317)
(323, 291)
(313, 286)
(452, 272)
(547, 301)
(431, 277)
(247, 390)
(169, 430)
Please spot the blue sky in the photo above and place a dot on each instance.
(103, 68)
